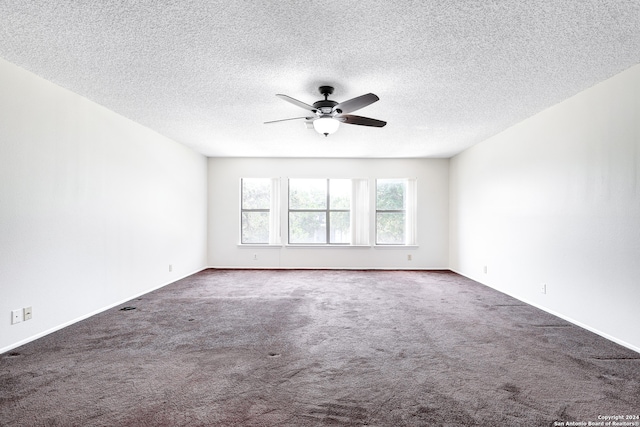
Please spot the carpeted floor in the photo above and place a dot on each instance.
(319, 348)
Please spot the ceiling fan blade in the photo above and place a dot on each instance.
(355, 103)
(284, 120)
(296, 102)
(362, 121)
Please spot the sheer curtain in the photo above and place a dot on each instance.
(275, 237)
(360, 212)
(411, 214)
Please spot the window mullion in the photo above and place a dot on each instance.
(327, 216)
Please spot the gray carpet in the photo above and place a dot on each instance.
(319, 348)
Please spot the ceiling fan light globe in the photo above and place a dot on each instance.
(325, 125)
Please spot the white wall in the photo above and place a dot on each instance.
(93, 207)
(224, 219)
(556, 200)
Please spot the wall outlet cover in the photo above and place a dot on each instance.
(27, 312)
(16, 316)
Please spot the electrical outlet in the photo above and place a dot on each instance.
(27, 312)
(170, 268)
(543, 288)
(16, 316)
(409, 257)
(255, 257)
(485, 269)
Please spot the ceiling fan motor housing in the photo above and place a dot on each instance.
(326, 105)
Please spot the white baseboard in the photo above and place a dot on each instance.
(86, 316)
(93, 313)
(560, 315)
(238, 267)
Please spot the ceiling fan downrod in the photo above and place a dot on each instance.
(326, 91)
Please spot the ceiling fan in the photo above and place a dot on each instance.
(328, 114)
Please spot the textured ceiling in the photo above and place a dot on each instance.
(205, 73)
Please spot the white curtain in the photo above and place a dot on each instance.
(360, 212)
(275, 237)
(411, 214)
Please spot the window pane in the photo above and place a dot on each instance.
(340, 194)
(390, 194)
(255, 227)
(256, 193)
(390, 228)
(307, 194)
(340, 228)
(307, 227)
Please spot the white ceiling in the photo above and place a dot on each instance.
(205, 73)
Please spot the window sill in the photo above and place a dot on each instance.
(396, 246)
(323, 246)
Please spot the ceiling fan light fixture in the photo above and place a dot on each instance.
(326, 125)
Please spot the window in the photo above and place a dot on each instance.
(395, 212)
(320, 211)
(328, 211)
(260, 215)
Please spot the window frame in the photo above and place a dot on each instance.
(402, 211)
(327, 211)
(243, 210)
